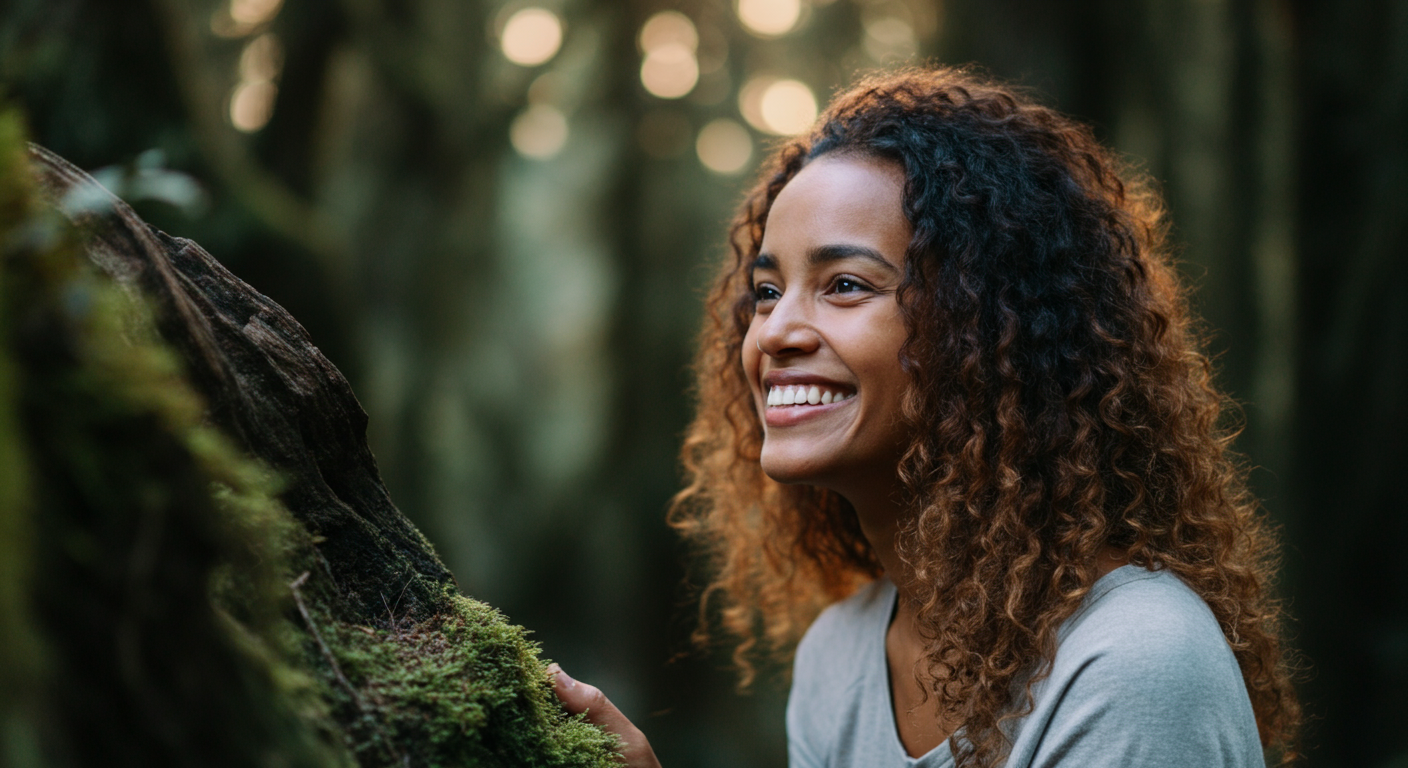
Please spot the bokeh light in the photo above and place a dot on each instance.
(539, 132)
(531, 36)
(788, 107)
(667, 28)
(252, 13)
(262, 59)
(252, 100)
(252, 104)
(783, 107)
(669, 71)
(670, 42)
(769, 18)
(724, 146)
(239, 18)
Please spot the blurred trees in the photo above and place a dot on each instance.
(1347, 518)
(506, 259)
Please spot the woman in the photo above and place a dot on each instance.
(950, 388)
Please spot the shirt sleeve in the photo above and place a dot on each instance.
(1157, 696)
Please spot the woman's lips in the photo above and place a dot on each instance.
(806, 401)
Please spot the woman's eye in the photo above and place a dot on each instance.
(766, 292)
(848, 285)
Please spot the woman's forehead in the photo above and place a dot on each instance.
(840, 200)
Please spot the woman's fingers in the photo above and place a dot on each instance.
(579, 698)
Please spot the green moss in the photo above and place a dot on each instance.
(462, 688)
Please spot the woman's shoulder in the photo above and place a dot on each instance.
(1146, 645)
(1142, 676)
(1138, 615)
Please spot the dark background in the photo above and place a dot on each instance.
(519, 328)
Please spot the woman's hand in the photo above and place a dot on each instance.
(579, 697)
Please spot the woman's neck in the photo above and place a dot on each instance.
(879, 513)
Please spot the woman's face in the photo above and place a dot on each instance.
(822, 352)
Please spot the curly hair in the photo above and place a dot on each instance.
(1059, 404)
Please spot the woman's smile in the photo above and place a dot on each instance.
(788, 406)
(803, 395)
(795, 396)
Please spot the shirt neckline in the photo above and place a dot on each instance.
(890, 595)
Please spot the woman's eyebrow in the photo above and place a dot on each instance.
(826, 254)
(764, 261)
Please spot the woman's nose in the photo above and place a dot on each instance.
(788, 330)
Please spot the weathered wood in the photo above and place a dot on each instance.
(270, 388)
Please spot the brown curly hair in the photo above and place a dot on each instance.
(1059, 405)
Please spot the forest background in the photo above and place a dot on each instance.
(497, 219)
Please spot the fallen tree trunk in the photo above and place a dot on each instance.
(341, 589)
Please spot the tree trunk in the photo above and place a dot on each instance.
(408, 671)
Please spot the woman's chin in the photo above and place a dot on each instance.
(793, 470)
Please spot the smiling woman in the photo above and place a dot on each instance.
(954, 427)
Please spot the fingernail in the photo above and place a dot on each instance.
(567, 682)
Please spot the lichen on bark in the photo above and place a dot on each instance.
(201, 565)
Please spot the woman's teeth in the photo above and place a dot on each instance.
(804, 395)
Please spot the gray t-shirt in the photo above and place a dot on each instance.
(1142, 678)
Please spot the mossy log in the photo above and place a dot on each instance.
(191, 606)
